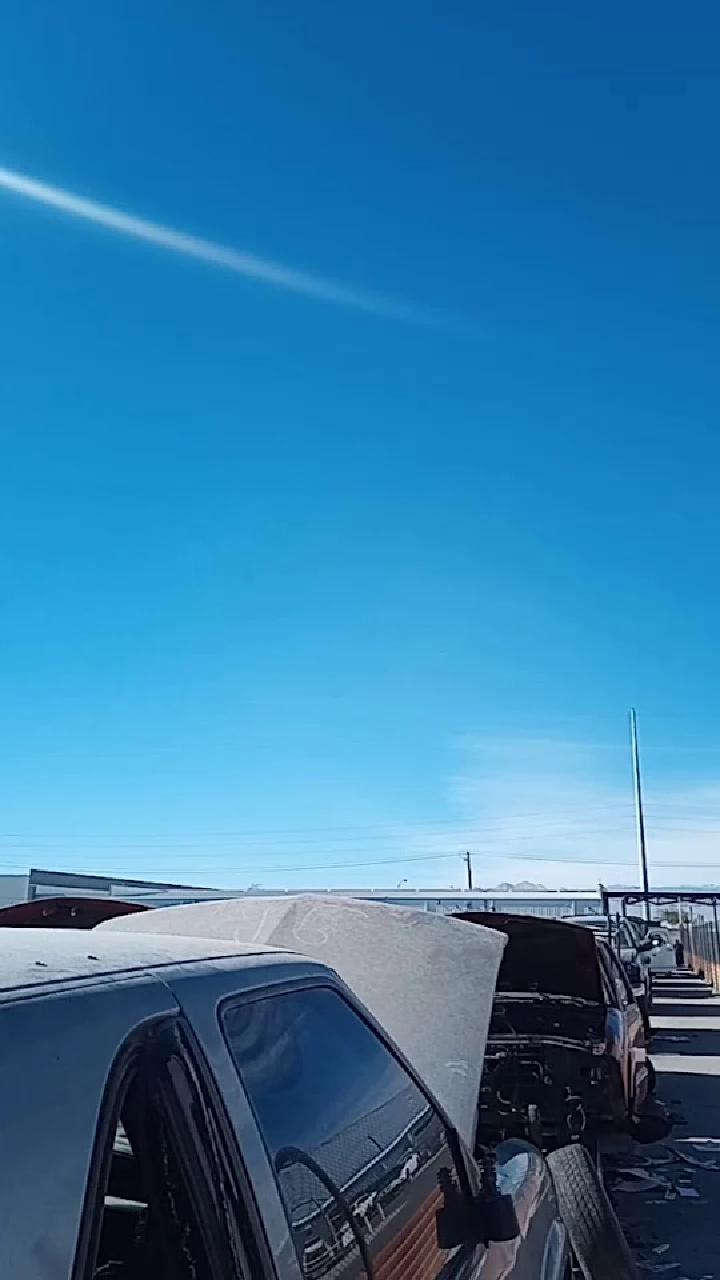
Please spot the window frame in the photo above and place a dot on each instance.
(463, 1161)
(121, 1072)
(625, 937)
(621, 982)
(171, 1037)
(611, 996)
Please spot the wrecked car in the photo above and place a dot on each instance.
(633, 950)
(65, 912)
(566, 1058)
(542, 1218)
(228, 1109)
(214, 1105)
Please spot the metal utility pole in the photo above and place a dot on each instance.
(639, 815)
(467, 859)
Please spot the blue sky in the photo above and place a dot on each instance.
(287, 584)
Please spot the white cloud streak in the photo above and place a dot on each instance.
(243, 264)
(561, 814)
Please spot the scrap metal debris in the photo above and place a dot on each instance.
(634, 1179)
(712, 1165)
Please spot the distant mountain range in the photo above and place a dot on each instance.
(522, 886)
(529, 886)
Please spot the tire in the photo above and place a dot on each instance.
(596, 1237)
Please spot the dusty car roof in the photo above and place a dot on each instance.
(428, 980)
(37, 957)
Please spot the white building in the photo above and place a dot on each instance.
(51, 884)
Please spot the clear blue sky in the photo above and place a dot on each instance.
(270, 565)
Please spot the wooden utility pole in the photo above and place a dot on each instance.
(639, 814)
(467, 859)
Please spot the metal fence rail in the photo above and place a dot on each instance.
(702, 949)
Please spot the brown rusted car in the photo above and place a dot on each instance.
(566, 1056)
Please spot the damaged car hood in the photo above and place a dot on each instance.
(428, 979)
(544, 958)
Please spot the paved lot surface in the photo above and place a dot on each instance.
(683, 1212)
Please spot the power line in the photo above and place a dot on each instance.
(547, 859)
(310, 831)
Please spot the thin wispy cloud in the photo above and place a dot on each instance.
(240, 263)
(561, 813)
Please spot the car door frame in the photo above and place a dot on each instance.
(201, 999)
(161, 1058)
(616, 1022)
(634, 1065)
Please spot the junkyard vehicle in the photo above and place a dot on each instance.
(655, 943)
(565, 1057)
(65, 913)
(632, 949)
(183, 1108)
(662, 955)
(422, 983)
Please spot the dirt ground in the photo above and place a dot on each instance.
(668, 1195)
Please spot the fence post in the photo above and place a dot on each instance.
(716, 933)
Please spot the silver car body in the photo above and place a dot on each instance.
(442, 967)
(69, 1003)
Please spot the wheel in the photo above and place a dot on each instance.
(592, 1146)
(596, 1237)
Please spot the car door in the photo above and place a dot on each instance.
(632, 1036)
(361, 1160)
(166, 1195)
(631, 951)
(616, 1023)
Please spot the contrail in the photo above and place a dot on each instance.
(243, 264)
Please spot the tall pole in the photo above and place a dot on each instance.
(468, 863)
(639, 815)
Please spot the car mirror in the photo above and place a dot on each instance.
(486, 1218)
(497, 1214)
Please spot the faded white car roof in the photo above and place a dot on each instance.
(429, 980)
(38, 957)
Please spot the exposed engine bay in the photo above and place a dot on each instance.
(547, 1075)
